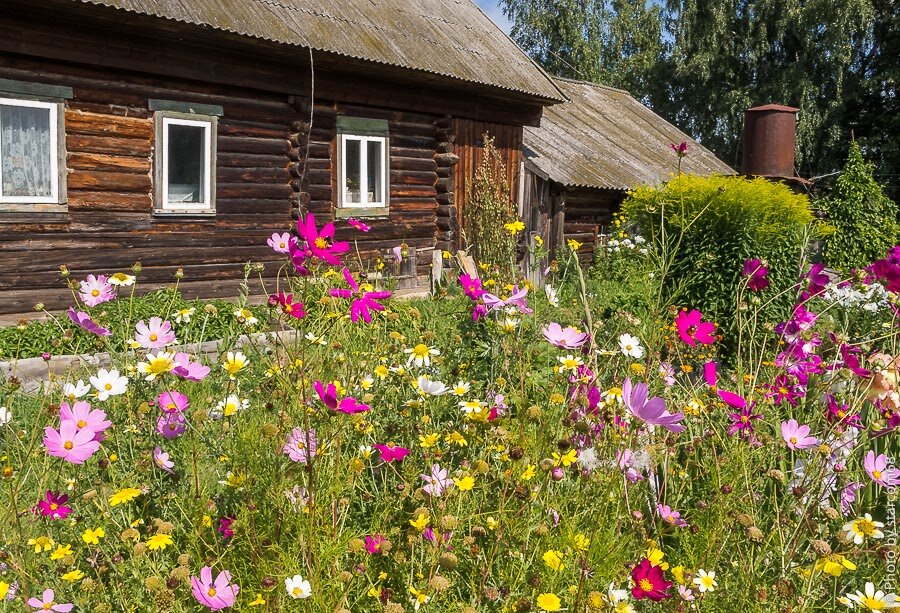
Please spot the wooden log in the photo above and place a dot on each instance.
(232, 206)
(413, 191)
(96, 124)
(443, 185)
(252, 175)
(446, 210)
(413, 164)
(109, 181)
(446, 159)
(81, 160)
(109, 201)
(106, 108)
(131, 147)
(447, 198)
(233, 127)
(444, 147)
(410, 177)
(254, 190)
(250, 160)
(247, 144)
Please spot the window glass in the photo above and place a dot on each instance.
(353, 176)
(375, 170)
(26, 152)
(187, 164)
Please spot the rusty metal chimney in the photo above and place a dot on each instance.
(770, 136)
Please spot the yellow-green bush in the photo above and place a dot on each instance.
(706, 227)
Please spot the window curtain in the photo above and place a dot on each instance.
(25, 151)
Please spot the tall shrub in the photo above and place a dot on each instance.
(488, 208)
(704, 228)
(864, 219)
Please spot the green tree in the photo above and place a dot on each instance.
(864, 219)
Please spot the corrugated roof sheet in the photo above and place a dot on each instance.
(605, 138)
(452, 38)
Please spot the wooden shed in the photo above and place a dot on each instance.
(183, 133)
(585, 155)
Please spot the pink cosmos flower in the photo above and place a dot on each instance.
(398, 253)
(327, 394)
(156, 335)
(693, 330)
(280, 243)
(797, 436)
(96, 290)
(161, 459)
(650, 410)
(351, 406)
(436, 481)
(215, 595)
(471, 286)
(47, 603)
(391, 452)
(300, 257)
(625, 460)
(85, 418)
(357, 224)
(649, 582)
(186, 369)
(374, 543)
(686, 593)
(321, 244)
(848, 496)
(171, 425)
(756, 274)
(69, 443)
(172, 402)
(301, 446)
(54, 505)
(286, 303)
(567, 338)
(878, 470)
(84, 321)
(516, 299)
(363, 303)
(670, 516)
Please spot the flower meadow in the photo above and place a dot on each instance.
(495, 447)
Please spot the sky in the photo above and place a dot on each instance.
(493, 10)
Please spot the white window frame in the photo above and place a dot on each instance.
(382, 202)
(162, 205)
(53, 198)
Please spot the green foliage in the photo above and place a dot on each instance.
(865, 220)
(488, 209)
(706, 227)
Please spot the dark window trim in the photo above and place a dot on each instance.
(40, 90)
(186, 107)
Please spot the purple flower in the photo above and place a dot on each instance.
(96, 290)
(186, 369)
(742, 421)
(756, 274)
(374, 542)
(848, 496)
(83, 417)
(54, 505)
(84, 321)
(161, 459)
(670, 516)
(437, 481)
(301, 445)
(650, 410)
(171, 425)
(364, 302)
(225, 524)
(797, 436)
(878, 470)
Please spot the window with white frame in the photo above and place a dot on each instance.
(363, 169)
(29, 152)
(185, 163)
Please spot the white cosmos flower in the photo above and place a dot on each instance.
(297, 587)
(616, 596)
(74, 391)
(315, 340)
(432, 388)
(551, 295)
(631, 346)
(109, 383)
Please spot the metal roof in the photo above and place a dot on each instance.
(451, 38)
(605, 138)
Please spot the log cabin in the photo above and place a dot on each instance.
(182, 133)
(585, 155)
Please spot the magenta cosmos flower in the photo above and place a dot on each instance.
(567, 338)
(85, 418)
(172, 402)
(69, 443)
(391, 452)
(879, 471)
(285, 302)
(84, 321)
(280, 243)
(797, 436)
(48, 603)
(215, 595)
(156, 335)
(161, 459)
(321, 244)
(374, 543)
(364, 302)
(358, 225)
(327, 394)
(471, 286)
(301, 446)
(54, 505)
(171, 425)
(756, 274)
(693, 330)
(649, 582)
(96, 290)
(670, 516)
(650, 410)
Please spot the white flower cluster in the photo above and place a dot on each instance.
(871, 298)
(628, 244)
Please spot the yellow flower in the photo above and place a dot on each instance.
(41, 543)
(157, 364)
(61, 552)
(457, 438)
(464, 484)
(235, 362)
(206, 521)
(514, 227)
(567, 459)
(656, 558)
(834, 564)
(574, 245)
(4, 589)
(429, 440)
(381, 371)
(549, 602)
(419, 598)
(159, 541)
(539, 240)
(581, 542)
(529, 473)
(492, 523)
(123, 496)
(557, 398)
(420, 522)
(73, 575)
(678, 573)
(554, 559)
(258, 602)
(92, 537)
